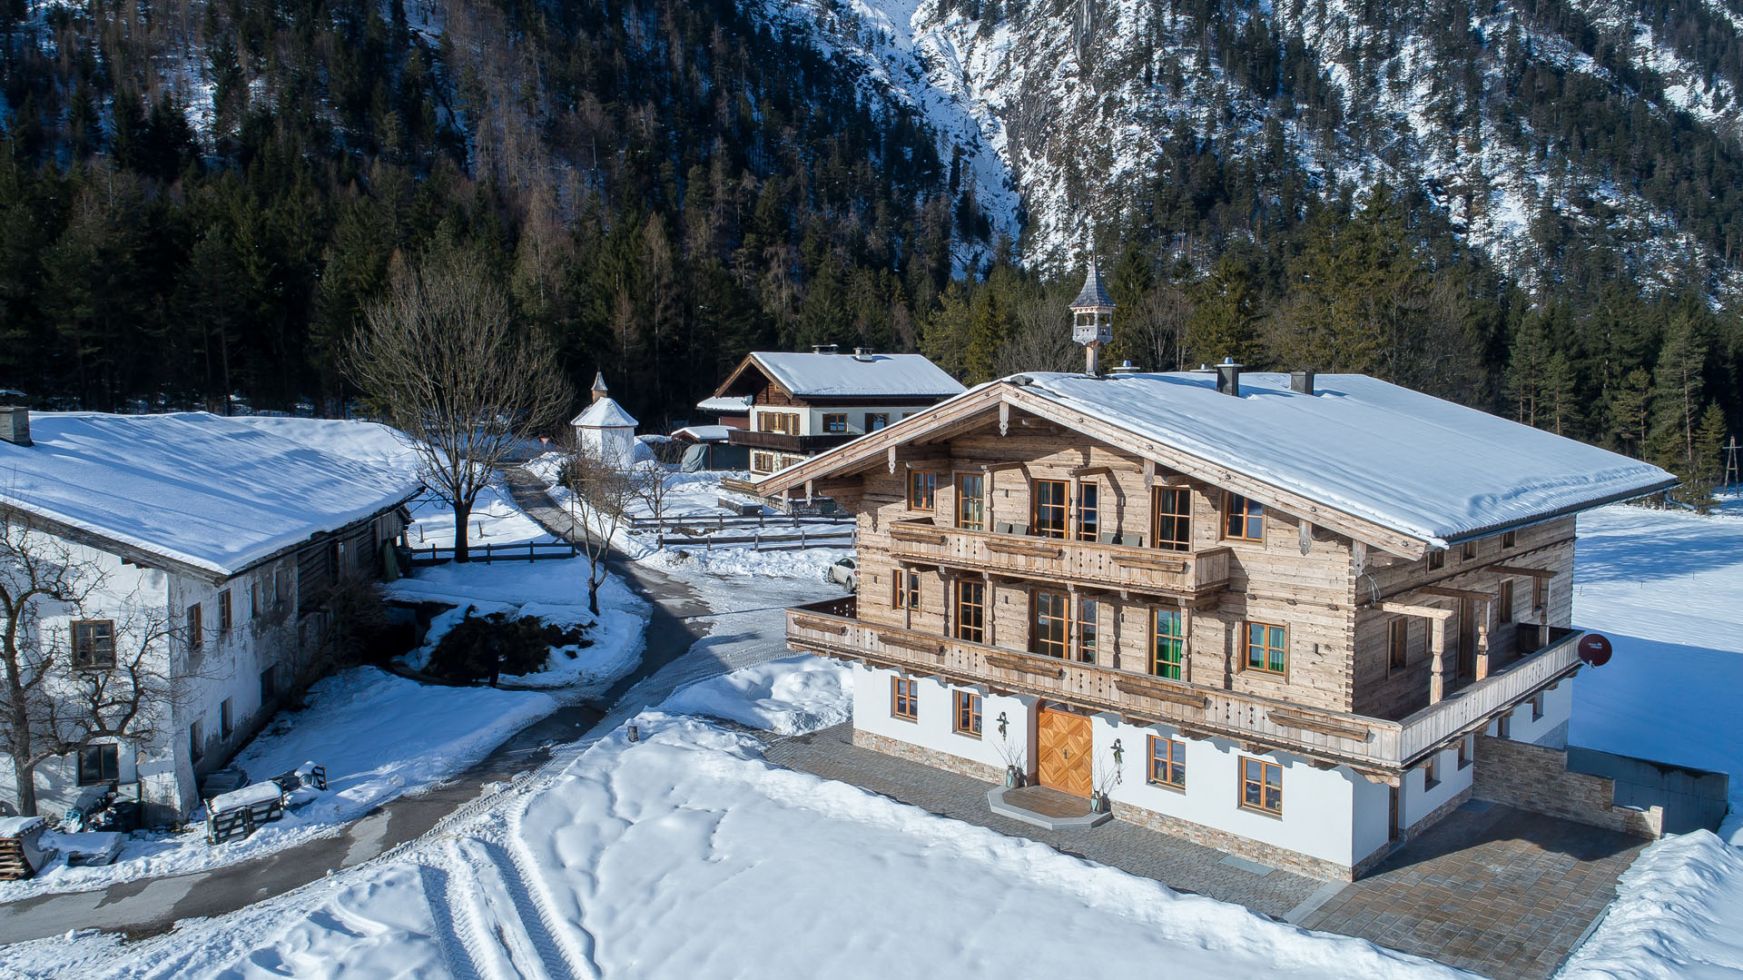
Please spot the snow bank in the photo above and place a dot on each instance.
(1676, 915)
(378, 734)
(788, 696)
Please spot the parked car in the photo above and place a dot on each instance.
(845, 572)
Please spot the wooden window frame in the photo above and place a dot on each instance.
(108, 756)
(978, 499)
(1464, 756)
(908, 598)
(1090, 532)
(1397, 643)
(904, 691)
(966, 716)
(1166, 769)
(1250, 510)
(1262, 783)
(1088, 623)
(1504, 602)
(1182, 519)
(1468, 551)
(927, 503)
(834, 423)
(882, 421)
(226, 718)
(87, 645)
(1437, 559)
(196, 623)
(1061, 649)
(779, 423)
(959, 622)
(1247, 648)
(1431, 771)
(1540, 595)
(226, 613)
(1537, 706)
(1036, 527)
(1157, 662)
(1509, 539)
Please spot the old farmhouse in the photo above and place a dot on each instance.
(1283, 615)
(785, 407)
(201, 552)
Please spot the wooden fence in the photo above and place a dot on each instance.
(520, 551)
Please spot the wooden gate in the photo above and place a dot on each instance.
(1063, 753)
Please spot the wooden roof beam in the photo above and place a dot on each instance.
(1411, 609)
(1523, 570)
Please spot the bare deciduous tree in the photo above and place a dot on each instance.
(600, 491)
(443, 361)
(61, 695)
(651, 483)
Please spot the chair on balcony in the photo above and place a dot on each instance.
(1115, 537)
(1006, 527)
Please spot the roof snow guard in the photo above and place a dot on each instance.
(1092, 295)
(1405, 470)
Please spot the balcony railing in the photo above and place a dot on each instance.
(1093, 564)
(786, 443)
(832, 629)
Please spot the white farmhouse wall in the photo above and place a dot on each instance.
(1420, 799)
(934, 727)
(1551, 729)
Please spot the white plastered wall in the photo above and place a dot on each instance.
(934, 728)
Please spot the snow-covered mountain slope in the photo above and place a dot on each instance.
(1072, 103)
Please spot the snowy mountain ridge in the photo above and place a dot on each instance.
(1072, 103)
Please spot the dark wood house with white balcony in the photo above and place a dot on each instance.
(785, 407)
(1273, 613)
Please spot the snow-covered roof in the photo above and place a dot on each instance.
(725, 404)
(857, 376)
(194, 488)
(19, 826)
(1420, 465)
(704, 433)
(605, 413)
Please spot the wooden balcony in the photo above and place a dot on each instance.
(785, 443)
(1378, 747)
(1091, 564)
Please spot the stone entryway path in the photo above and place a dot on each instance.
(1179, 864)
(1492, 889)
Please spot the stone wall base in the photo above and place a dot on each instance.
(927, 757)
(1242, 847)
(1536, 778)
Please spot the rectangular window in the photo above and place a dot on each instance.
(93, 643)
(1243, 519)
(1262, 786)
(908, 598)
(1048, 519)
(226, 614)
(1088, 511)
(1173, 523)
(226, 719)
(904, 698)
(968, 714)
(1088, 630)
(1268, 648)
(1167, 644)
(1504, 602)
(1465, 752)
(1397, 643)
(1509, 538)
(835, 423)
(1049, 623)
(1468, 551)
(786, 423)
(971, 611)
(268, 685)
(196, 742)
(874, 421)
(1431, 772)
(196, 627)
(971, 501)
(1540, 595)
(1167, 762)
(1504, 726)
(922, 489)
(1436, 559)
(99, 764)
(1537, 706)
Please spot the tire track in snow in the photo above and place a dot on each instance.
(478, 929)
(438, 895)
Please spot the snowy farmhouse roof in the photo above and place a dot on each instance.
(726, 405)
(823, 375)
(1385, 464)
(209, 493)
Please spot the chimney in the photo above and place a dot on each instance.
(1228, 377)
(15, 424)
(1301, 381)
(824, 348)
(862, 354)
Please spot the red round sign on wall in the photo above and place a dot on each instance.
(1595, 649)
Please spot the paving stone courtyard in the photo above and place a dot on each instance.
(1490, 889)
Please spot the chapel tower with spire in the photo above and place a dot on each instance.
(1092, 319)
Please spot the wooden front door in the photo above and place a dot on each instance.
(1062, 751)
